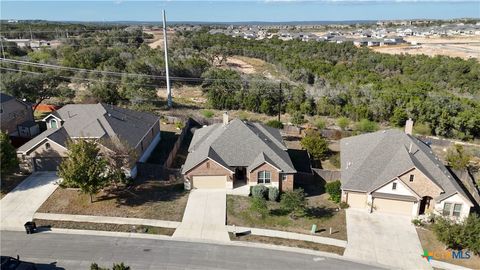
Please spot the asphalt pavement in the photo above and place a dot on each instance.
(70, 251)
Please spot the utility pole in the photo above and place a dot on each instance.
(3, 51)
(169, 90)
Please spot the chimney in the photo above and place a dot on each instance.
(225, 118)
(409, 126)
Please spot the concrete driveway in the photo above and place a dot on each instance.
(204, 216)
(20, 204)
(385, 239)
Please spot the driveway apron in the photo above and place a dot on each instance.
(20, 204)
(385, 239)
(204, 216)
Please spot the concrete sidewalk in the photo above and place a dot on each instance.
(109, 220)
(289, 235)
(204, 216)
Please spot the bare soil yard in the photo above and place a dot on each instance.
(148, 199)
(46, 224)
(9, 182)
(429, 242)
(287, 242)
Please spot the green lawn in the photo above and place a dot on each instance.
(320, 211)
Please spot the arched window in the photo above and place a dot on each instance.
(47, 145)
(53, 123)
(264, 177)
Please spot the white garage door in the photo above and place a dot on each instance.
(357, 200)
(210, 181)
(392, 206)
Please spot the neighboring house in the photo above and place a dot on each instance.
(101, 122)
(238, 153)
(17, 117)
(391, 171)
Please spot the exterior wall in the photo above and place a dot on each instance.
(454, 199)
(253, 175)
(214, 169)
(355, 199)
(400, 190)
(55, 150)
(143, 145)
(287, 184)
(421, 184)
(13, 113)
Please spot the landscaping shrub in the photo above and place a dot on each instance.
(344, 205)
(273, 194)
(320, 123)
(208, 113)
(315, 145)
(333, 189)
(259, 206)
(463, 235)
(366, 125)
(294, 202)
(275, 124)
(343, 122)
(259, 191)
(417, 222)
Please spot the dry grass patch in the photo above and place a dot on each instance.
(9, 182)
(149, 199)
(288, 242)
(320, 211)
(46, 224)
(430, 242)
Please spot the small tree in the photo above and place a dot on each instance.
(8, 155)
(315, 144)
(333, 189)
(84, 168)
(458, 157)
(297, 118)
(294, 202)
(343, 122)
(259, 206)
(119, 156)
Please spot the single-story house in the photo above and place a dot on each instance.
(103, 123)
(391, 171)
(16, 117)
(238, 153)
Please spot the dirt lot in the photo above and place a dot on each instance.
(149, 199)
(288, 243)
(157, 41)
(463, 47)
(430, 243)
(43, 224)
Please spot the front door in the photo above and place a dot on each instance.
(424, 204)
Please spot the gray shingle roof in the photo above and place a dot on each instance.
(370, 160)
(238, 143)
(58, 135)
(99, 121)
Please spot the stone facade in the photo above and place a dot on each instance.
(421, 184)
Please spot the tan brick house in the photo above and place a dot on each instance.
(238, 153)
(100, 122)
(391, 171)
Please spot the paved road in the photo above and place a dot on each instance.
(204, 216)
(384, 239)
(79, 251)
(20, 204)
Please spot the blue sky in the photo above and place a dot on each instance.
(238, 11)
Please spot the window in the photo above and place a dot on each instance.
(208, 165)
(394, 186)
(264, 177)
(457, 208)
(47, 145)
(53, 123)
(446, 209)
(284, 177)
(411, 177)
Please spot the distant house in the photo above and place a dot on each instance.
(391, 171)
(238, 153)
(103, 123)
(17, 117)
